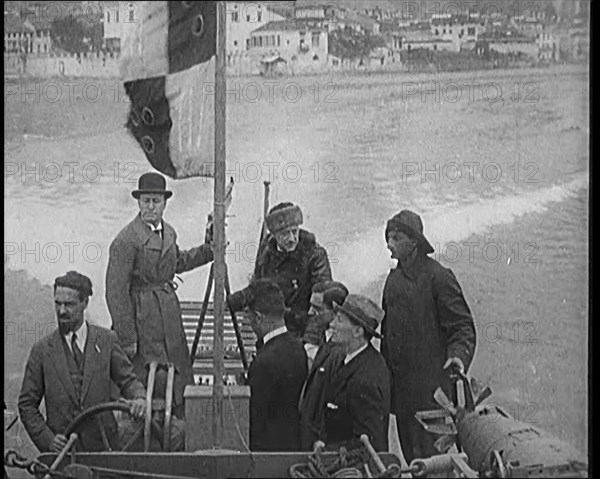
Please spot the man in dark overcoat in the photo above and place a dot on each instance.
(357, 400)
(140, 287)
(73, 369)
(428, 330)
(292, 258)
(276, 374)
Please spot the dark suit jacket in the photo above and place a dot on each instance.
(276, 377)
(358, 402)
(47, 376)
(329, 358)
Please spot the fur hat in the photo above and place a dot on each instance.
(283, 216)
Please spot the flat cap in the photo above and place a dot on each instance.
(76, 281)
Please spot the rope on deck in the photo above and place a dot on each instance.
(347, 464)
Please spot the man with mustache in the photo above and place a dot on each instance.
(428, 331)
(292, 258)
(72, 369)
(324, 359)
(140, 291)
(320, 315)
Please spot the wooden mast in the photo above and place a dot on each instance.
(219, 224)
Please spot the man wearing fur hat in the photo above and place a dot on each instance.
(292, 258)
(357, 398)
(428, 330)
(140, 291)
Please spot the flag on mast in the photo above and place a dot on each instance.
(168, 66)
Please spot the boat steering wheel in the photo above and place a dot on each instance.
(93, 411)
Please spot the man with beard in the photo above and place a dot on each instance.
(140, 291)
(292, 258)
(324, 358)
(429, 335)
(275, 375)
(72, 369)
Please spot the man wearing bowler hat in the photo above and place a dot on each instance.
(140, 291)
(357, 399)
(292, 258)
(429, 335)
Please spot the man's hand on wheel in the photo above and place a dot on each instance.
(58, 443)
(137, 407)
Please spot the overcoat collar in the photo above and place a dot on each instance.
(152, 240)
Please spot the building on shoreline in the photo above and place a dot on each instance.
(303, 47)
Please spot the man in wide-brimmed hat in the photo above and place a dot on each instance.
(140, 291)
(292, 258)
(357, 399)
(429, 334)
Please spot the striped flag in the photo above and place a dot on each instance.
(168, 66)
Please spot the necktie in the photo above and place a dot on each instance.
(77, 354)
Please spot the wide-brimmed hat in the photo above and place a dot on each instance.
(362, 311)
(152, 183)
(283, 216)
(409, 223)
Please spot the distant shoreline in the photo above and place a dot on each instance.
(354, 73)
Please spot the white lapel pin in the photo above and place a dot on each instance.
(97, 348)
(331, 405)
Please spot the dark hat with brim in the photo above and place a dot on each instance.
(152, 183)
(362, 311)
(410, 224)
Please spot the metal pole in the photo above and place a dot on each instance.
(219, 225)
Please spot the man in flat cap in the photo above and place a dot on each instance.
(357, 400)
(292, 258)
(429, 334)
(72, 369)
(140, 291)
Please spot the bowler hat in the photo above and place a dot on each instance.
(362, 311)
(409, 223)
(152, 183)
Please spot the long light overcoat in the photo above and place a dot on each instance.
(141, 297)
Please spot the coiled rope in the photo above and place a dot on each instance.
(347, 464)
